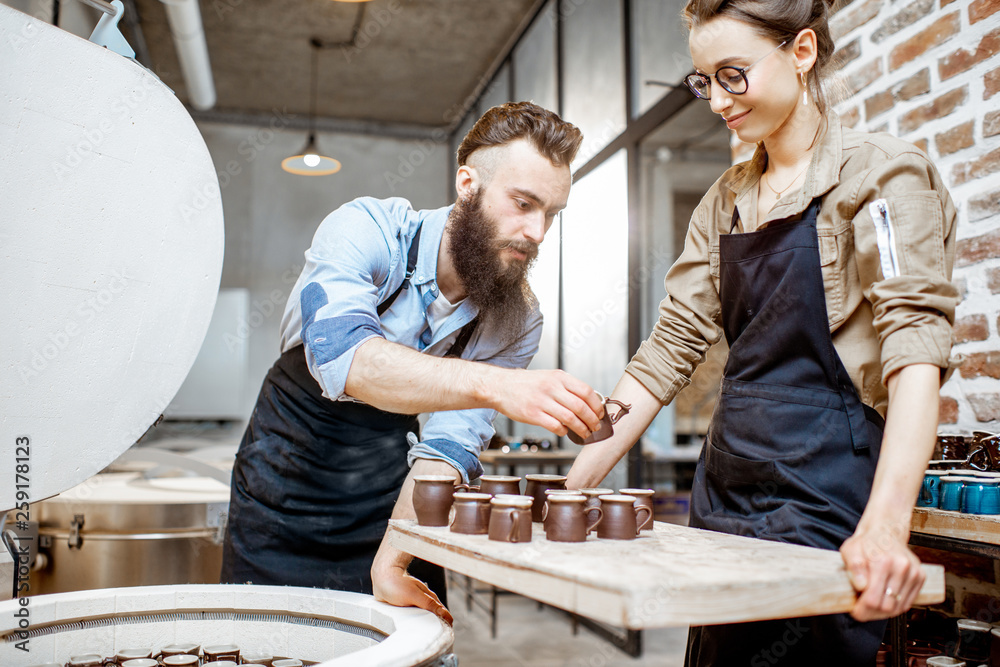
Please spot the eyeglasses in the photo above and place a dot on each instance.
(733, 79)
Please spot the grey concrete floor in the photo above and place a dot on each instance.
(531, 637)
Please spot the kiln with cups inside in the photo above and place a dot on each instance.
(112, 237)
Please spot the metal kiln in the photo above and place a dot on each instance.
(112, 258)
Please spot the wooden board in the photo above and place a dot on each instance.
(973, 527)
(676, 576)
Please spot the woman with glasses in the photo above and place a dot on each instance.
(825, 260)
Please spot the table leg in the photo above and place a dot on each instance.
(897, 639)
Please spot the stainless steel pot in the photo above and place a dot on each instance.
(119, 530)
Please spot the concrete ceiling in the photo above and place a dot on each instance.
(413, 63)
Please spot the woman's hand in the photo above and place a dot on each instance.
(883, 570)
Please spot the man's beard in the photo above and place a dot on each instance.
(501, 293)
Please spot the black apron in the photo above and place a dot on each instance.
(315, 481)
(791, 451)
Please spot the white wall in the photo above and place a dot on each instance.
(271, 215)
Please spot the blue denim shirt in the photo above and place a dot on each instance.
(357, 260)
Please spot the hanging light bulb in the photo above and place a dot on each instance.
(310, 161)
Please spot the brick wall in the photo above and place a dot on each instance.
(928, 71)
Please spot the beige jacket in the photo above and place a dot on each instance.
(878, 324)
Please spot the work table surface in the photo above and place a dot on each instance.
(673, 576)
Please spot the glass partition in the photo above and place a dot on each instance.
(535, 61)
(659, 51)
(593, 62)
(498, 91)
(679, 162)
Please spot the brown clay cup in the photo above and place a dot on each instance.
(510, 518)
(432, 498)
(219, 652)
(594, 500)
(621, 518)
(472, 513)
(497, 484)
(536, 487)
(566, 518)
(643, 498)
(556, 492)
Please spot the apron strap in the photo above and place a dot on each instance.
(464, 336)
(411, 265)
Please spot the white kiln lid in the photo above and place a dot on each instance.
(111, 243)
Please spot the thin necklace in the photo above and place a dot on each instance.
(767, 182)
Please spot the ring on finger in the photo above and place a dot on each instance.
(889, 594)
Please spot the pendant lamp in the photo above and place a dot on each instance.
(309, 161)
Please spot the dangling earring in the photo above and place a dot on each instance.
(805, 89)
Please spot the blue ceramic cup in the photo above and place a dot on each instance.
(930, 490)
(951, 493)
(981, 496)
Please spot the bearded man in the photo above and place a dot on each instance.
(401, 312)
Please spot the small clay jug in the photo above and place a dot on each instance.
(132, 654)
(643, 498)
(472, 513)
(566, 518)
(536, 487)
(222, 652)
(621, 518)
(184, 648)
(432, 498)
(608, 421)
(593, 498)
(497, 484)
(256, 657)
(973, 640)
(510, 518)
(85, 660)
(185, 660)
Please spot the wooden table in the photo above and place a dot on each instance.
(983, 530)
(676, 576)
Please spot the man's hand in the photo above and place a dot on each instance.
(554, 400)
(886, 574)
(397, 379)
(390, 582)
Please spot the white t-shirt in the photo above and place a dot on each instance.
(439, 310)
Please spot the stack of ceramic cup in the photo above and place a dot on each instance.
(497, 509)
(968, 491)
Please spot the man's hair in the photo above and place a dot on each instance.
(551, 136)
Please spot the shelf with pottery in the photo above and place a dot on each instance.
(983, 528)
(672, 576)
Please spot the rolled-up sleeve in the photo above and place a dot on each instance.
(914, 310)
(688, 315)
(458, 437)
(347, 261)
